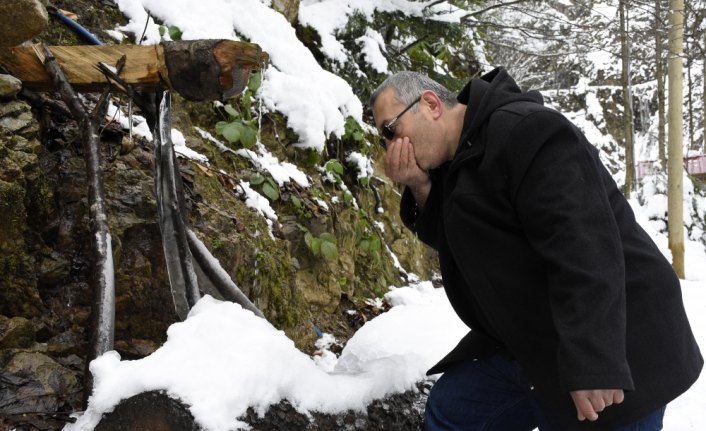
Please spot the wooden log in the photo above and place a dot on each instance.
(196, 69)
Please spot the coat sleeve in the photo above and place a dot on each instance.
(563, 207)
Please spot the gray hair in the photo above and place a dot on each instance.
(409, 85)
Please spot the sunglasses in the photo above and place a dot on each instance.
(388, 130)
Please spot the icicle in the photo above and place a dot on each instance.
(182, 277)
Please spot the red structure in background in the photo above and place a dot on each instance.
(695, 166)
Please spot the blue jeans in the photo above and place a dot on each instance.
(492, 395)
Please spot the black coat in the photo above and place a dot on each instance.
(540, 253)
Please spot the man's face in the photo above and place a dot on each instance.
(413, 124)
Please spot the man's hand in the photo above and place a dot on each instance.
(401, 167)
(591, 402)
(401, 164)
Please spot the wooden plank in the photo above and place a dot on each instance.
(143, 66)
(221, 67)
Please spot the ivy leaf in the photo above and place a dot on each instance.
(270, 191)
(329, 250)
(232, 132)
(256, 179)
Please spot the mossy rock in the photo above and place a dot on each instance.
(16, 332)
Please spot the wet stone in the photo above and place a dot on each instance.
(16, 332)
(36, 387)
(9, 86)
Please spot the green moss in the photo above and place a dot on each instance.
(38, 202)
(12, 209)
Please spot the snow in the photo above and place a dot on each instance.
(281, 172)
(257, 202)
(362, 164)
(223, 359)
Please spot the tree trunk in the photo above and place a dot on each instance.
(630, 180)
(675, 194)
(659, 54)
(689, 96)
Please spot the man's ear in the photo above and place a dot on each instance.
(433, 103)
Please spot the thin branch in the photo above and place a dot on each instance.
(103, 278)
(495, 6)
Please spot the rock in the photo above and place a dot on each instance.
(53, 268)
(21, 20)
(288, 8)
(34, 388)
(9, 86)
(16, 332)
(16, 118)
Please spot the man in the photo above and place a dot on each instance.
(577, 320)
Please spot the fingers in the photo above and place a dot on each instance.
(591, 402)
(401, 164)
(584, 409)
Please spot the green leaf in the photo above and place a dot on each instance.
(231, 111)
(162, 30)
(327, 237)
(375, 244)
(271, 192)
(329, 250)
(358, 136)
(255, 81)
(308, 237)
(334, 165)
(219, 127)
(256, 179)
(248, 137)
(174, 32)
(364, 245)
(246, 103)
(232, 132)
(347, 197)
(297, 202)
(315, 246)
